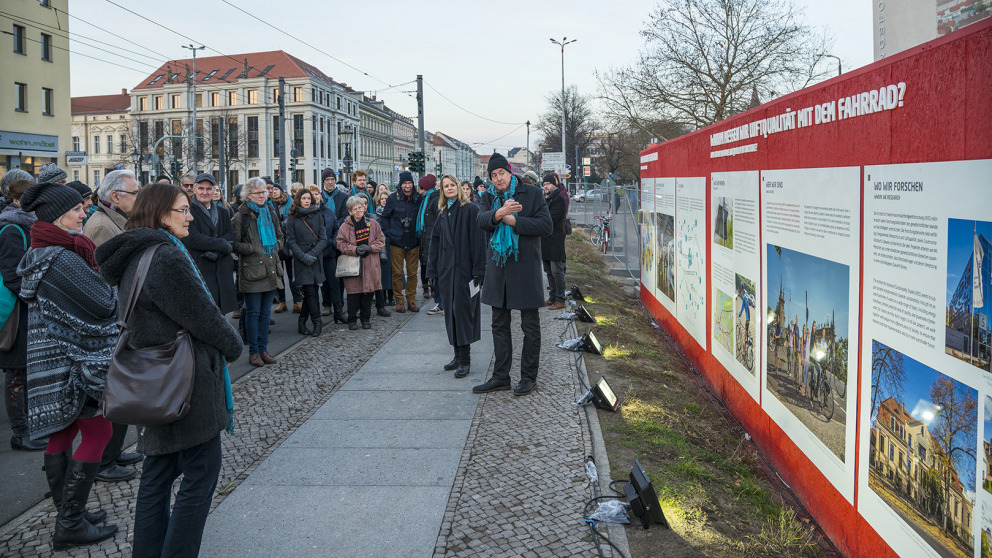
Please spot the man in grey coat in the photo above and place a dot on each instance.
(517, 216)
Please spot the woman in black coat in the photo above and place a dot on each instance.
(15, 238)
(306, 237)
(457, 260)
(190, 446)
(553, 245)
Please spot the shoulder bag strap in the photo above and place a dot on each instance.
(311, 230)
(139, 280)
(24, 237)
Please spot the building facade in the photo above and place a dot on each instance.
(404, 143)
(376, 151)
(34, 101)
(101, 138)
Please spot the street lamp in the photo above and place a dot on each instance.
(564, 41)
(346, 132)
(835, 58)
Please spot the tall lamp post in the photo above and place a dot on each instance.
(346, 134)
(839, 70)
(564, 41)
(196, 134)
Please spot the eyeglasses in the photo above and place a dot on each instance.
(258, 193)
(134, 193)
(184, 211)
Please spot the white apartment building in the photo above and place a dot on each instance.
(376, 150)
(101, 139)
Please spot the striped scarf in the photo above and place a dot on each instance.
(505, 241)
(228, 394)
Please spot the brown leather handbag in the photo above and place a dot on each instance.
(152, 385)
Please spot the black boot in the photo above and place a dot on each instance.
(338, 314)
(317, 325)
(302, 325)
(55, 470)
(71, 529)
(15, 394)
(464, 361)
(454, 361)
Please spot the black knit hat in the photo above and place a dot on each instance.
(49, 200)
(406, 176)
(550, 177)
(497, 161)
(478, 182)
(83, 189)
(325, 173)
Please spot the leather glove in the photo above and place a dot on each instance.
(211, 256)
(477, 280)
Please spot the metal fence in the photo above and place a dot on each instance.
(594, 204)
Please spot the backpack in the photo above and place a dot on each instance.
(7, 298)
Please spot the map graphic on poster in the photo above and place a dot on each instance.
(690, 298)
(810, 277)
(735, 272)
(648, 244)
(664, 238)
(924, 341)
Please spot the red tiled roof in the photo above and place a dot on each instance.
(484, 158)
(101, 103)
(212, 70)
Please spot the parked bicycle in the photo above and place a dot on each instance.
(600, 234)
(745, 347)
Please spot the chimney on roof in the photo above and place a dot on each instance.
(373, 98)
(124, 91)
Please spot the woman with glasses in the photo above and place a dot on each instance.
(257, 240)
(362, 237)
(190, 446)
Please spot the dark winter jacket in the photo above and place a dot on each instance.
(72, 330)
(431, 213)
(457, 253)
(12, 249)
(340, 204)
(331, 225)
(210, 246)
(400, 219)
(519, 282)
(305, 234)
(553, 245)
(258, 272)
(165, 305)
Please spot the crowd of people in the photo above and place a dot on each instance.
(71, 257)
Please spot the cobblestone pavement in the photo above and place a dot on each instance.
(271, 403)
(521, 482)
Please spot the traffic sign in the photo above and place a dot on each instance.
(565, 175)
(585, 171)
(587, 161)
(552, 160)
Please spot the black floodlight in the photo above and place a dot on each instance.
(590, 344)
(647, 508)
(603, 396)
(576, 293)
(583, 315)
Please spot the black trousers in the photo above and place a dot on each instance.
(113, 449)
(530, 355)
(311, 305)
(358, 301)
(330, 291)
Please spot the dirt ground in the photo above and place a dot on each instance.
(712, 485)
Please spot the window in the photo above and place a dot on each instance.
(339, 103)
(275, 94)
(297, 94)
(75, 143)
(158, 102)
(252, 173)
(46, 101)
(215, 99)
(96, 177)
(275, 135)
(46, 47)
(124, 143)
(142, 103)
(19, 39)
(232, 177)
(96, 145)
(252, 136)
(210, 75)
(21, 95)
(892, 424)
(232, 139)
(214, 137)
(199, 100)
(143, 137)
(298, 134)
(159, 133)
(75, 175)
(232, 98)
(175, 101)
(892, 452)
(253, 96)
(110, 144)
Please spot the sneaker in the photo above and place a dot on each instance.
(436, 309)
(492, 385)
(524, 387)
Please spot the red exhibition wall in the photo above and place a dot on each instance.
(847, 232)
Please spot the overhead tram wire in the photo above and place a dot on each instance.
(468, 111)
(499, 138)
(74, 16)
(86, 55)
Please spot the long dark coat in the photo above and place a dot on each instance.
(457, 253)
(305, 233)
(258, 272)
(553, 245)
(518, 283)
(205, 237)
(431, 212)
(11, 251)
(172, 298)
(370, 278)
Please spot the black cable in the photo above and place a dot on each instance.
(81, 54)
(112, 33)
(465, 109)
(592, 524)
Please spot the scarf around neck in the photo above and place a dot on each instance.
(228, 393)
(505, 241)
(422, 212)
(45, 234)
(362, 231)
(266, 231)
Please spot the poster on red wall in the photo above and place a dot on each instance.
(664, 213)
(925, 356)
(810, 233)
(648, 243)
(735, 272)
(690, 243)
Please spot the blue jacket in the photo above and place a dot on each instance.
(331, 225)
(399, 219)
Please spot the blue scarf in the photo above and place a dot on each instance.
(228, 394)
(329, 201)
(266, 231)
(451, 201)
(505, 241)
(420, 216)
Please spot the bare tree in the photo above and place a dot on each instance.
(955, 429)
(702, 59)
(888, 373)
(580, 124)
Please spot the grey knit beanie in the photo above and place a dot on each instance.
(12, 175)
(49, 200)
(51, 172)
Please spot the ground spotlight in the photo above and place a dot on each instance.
(590, 344)
(583, 315)
(576, 293)
(643, 499)
(603, 396)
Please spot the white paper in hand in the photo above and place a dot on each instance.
(473, 289)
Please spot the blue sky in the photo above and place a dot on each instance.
(960, 246)
(827, 282)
